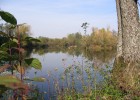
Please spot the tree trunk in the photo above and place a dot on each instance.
(119, 44)
(129, 27)
(126, 68)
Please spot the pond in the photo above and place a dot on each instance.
(68, 71)
(72, 75)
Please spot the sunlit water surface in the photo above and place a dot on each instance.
(55, 69)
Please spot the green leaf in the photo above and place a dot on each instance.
(6, 16)
(3, 34)
(3, 89)
(4, 56)
(33, 62)
(31, 39)
(3, 49)
(15, 40)
(8, 79)
(9, 43)
(12, 82)
(37, 79)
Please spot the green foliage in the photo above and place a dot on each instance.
(33, 62)
(98, 40)
(4, 56)
(103, 39)
(12, 38)
(10, 81)
(31, 39)
(3, 34)
(10, 43)
(74, 39)
(3, 49)
(37, 79)
(104, 90)
(109, 91)
(6, 16)
(23, 32)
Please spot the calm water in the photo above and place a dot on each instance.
(63, 70)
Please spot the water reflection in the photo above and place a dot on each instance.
(103, 56)
(72, 69)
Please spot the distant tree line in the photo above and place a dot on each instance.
(99, 39)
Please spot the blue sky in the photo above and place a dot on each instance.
(58, 18)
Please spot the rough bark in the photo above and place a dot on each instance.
(119, 44)
(126, 69)
(130, 28)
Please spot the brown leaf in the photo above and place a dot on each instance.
(2, 68)
(21, 50)
(12, 82)
(21, 70)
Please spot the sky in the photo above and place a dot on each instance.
(58, 18)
